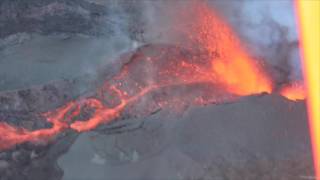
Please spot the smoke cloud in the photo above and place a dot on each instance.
(267, 28)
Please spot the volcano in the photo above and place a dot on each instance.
(191, 120)
(203, 107)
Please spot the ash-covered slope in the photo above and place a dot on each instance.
(49, 16)
(45, 40)
(20, 108)
(217, 140)
(89, 17)
(257, 137)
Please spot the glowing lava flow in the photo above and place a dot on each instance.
(103, 114)
(294, 92)
(308, 15)
(10, 136)
(161, 76)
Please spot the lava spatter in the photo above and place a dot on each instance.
(161, 76)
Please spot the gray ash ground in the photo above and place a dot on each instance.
(261, 137)
(21, 108)
(255, 137)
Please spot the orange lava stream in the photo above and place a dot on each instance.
(103, 114)
(294, 92)
(308, 16)
(10, 135)
(223, 63)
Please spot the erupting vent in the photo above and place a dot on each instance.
(213, 67)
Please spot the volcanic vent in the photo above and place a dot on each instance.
(208, 67)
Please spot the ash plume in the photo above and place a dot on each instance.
(266, 28)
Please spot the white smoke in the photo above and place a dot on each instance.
(266, 27)
(269, 29)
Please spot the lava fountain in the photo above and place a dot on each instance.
(212, 66)
(294, 91)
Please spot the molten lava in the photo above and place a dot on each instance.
(10, 135)
(293, 92)
(213, 67)
(232, 66)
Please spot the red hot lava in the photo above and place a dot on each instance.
(232, 66)
(294, 91)
(161, 76)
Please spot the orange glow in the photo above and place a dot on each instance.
(10, 135)
(232, 65)
(215, 67)
(294, 92)
(308, 15)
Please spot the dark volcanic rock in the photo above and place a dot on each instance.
(20, 108)
(255, 137)
(31, 162)
(49, 16)
(38, 98)
(262, 137)
(23, 107)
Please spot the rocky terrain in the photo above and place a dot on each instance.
(21, 108)
(58, 39)
(258, 137)
(262, 136)
(47, 17)
(54, 51)
(68, 17)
